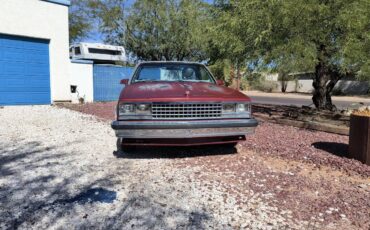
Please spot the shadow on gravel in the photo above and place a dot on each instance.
(42, 187)
(11, 154)
(141, 212)
(92, 195)
(175, 152)
(337, 149)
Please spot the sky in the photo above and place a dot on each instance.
(97, 37)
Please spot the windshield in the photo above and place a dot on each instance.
(172, 72)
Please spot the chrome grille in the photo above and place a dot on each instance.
(186, 110)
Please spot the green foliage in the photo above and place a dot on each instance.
(167, 30)
(287, 35)
(221, 70)
(217, 70)
(79, 21)
(110, 18)
(256, 81)
(267, 86)
(103, 16)
(149, 30)
(328, 37)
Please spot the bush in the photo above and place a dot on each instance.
(267, 86)
(244, 84)
(258, 82)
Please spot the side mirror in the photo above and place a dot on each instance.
(220, 82)
(124, 82)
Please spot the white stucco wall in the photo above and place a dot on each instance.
(271, 76)
(346, 87)
(46, 20)
(82, 77)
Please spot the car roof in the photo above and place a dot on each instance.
(169, 62)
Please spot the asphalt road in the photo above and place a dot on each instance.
(276, 100)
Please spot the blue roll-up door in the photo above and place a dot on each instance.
(24, 71)
(107, 79)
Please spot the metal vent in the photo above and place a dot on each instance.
(186, 110)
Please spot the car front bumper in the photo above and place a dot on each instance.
(184, 129)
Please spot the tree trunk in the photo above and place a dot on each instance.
(323, 85)
(283, 81)
(237, 77)
(232, 75)
(324, 82)
(319, 84)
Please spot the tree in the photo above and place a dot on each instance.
(97, 16)
(328, 37)
(110, 19)
(224, 45)
(80, 23)
(167, 30)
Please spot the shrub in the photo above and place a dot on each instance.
(256, 81)
(267, 86)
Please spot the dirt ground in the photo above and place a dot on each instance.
(354, 99)
(295, 113)
(59, 169)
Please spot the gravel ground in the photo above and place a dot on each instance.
(59, 169)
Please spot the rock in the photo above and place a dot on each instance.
(347, 112)
(364, 186)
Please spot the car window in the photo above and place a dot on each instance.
(173, 72)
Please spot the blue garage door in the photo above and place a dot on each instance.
(24, 71)
(107, 79)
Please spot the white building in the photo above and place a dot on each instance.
(34, 56)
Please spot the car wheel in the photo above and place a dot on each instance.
(128, 148)
(231, 145)
(119, 145)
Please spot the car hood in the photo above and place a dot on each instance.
(184, 91)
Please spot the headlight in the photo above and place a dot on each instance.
(126, 109)
(228, 108)
(142, 108)
(133, 109)
(243, 108)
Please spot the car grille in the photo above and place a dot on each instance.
(186, 110)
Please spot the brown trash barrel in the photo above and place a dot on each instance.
(359, 138)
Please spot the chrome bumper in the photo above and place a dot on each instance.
(184, 129)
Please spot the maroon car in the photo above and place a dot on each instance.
(180, 104)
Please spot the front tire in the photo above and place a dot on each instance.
(124, 148)
(119, 145)
(231, 145)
